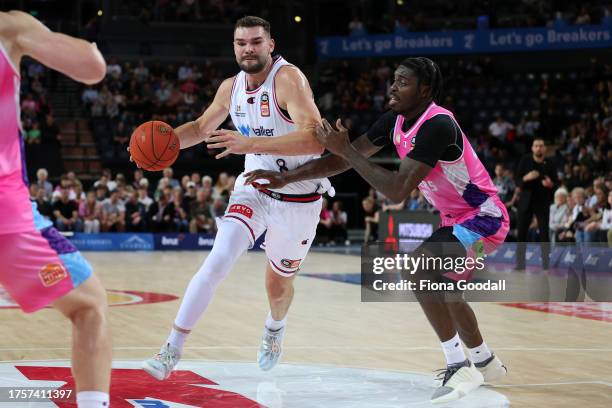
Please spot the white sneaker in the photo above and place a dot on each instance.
(492, 369)
(271, 348)
(459, 380)
(160, 367)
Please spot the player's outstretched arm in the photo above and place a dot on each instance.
(76, 58)
(194, 132)
(326, 166)
(396, 185)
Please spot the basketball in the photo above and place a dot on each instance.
(154, 145)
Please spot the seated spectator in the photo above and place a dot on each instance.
(41, 180)
(179, 212)
(197, 179)
(338, 224)
(135, 214)
(37, 195)
(65, 213)
(190, 192)
(559, 214)
(371, 219)
(91, 213)
(113, 213)
(143, 197)
(218, 207)
(505, 185)
(158, 218)
(200, 213)
(325, 224)
(101, 193)
(499, 128)
(606, 221)
(221, 186)
(78, 192)
(138, 175)
(580, 213)
(169, 175)
(593, 223)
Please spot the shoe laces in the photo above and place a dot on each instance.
(445, 374)
(166, 356)
(271, 341)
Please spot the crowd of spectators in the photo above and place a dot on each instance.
(213, 11)
(40, 133)
(135, 93)
(114, 204)
(428, 15)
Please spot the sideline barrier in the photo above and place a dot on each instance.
(126, 241)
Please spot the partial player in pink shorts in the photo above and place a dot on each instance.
(40, 265)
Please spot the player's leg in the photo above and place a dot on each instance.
(280, 295)
(460, 376)
(42, 268)
(231, 242)
(237, 231)
(291, 230)
(492, 232)
(86, 307)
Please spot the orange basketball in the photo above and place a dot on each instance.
(154, 145)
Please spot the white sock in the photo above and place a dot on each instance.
(275, 325)
(453, 350)
(480, 353)
(231, 241)
(92, 399)
(177, 339)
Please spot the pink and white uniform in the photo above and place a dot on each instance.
(461, 190)
(38, 264)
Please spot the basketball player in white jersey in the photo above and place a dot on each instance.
(271, 104)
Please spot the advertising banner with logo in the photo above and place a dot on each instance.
(113, 241)
(467, 41)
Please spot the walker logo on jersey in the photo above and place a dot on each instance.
(241, 209)
(245, 130)
(238, 112)
(261, 131)
(264, 106)
(52, 274)
(291, 263)
(251, 100)
(305, 242)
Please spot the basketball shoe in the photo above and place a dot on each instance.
(160, 367)
(458, 380)
(492, 368)
(271, 348)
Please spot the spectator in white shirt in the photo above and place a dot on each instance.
(500, 128)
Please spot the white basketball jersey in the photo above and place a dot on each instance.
(257, 114)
